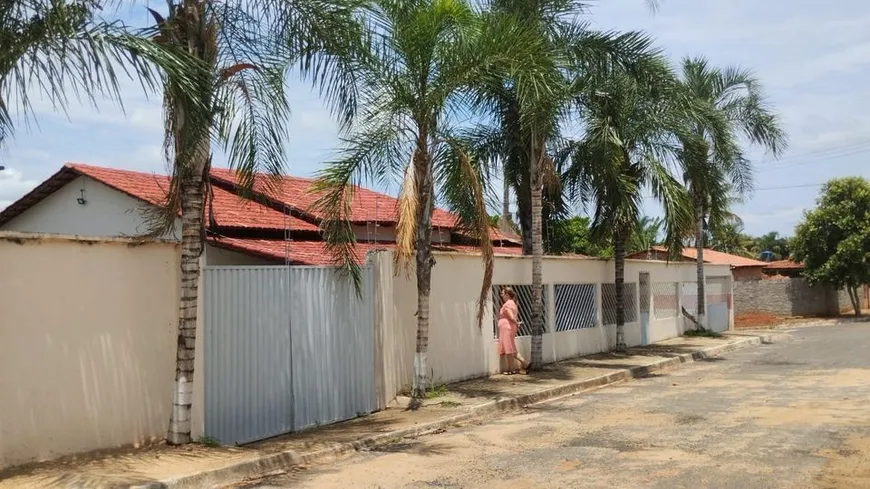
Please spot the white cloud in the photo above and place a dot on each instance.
(13, 185)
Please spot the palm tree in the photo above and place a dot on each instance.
(773, 243)
(239, 105)
(629, 146)
(728, 237)
(645, 234)
(58, 48)
(425, 55)
(712, 163)
(530, 111)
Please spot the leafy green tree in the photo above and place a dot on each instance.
(424, 59)
(833, 240)
(568, 236)
(712, 163)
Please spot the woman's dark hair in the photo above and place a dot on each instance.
(509, 292)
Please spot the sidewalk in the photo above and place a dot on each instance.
(201, 466)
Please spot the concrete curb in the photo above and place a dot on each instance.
(284, 460)
(823, 322)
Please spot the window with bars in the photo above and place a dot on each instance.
(665, 299)
(575, 306)
(689, 297)
(608, 303)
(524, 303)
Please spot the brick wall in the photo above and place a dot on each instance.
(785, 297)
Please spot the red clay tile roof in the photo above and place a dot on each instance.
(366, 206)
(314, 253)
(784, 265)
(715, 257)
(230, 210)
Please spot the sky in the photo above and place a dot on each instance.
(813, 60)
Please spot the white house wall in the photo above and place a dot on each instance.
(87, 344)
(459, 349)
(106, 213)
(368, 233)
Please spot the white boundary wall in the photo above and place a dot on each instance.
(459, 349)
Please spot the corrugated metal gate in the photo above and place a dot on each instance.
(718, 315)
(285, 348)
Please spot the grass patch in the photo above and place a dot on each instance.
(208, 441)
(706, 333)
(436, 391)
(450, 404)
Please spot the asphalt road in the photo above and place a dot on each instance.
(794, 414)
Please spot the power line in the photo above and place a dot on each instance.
(779, 187)
(823, 151)
(801, 160)
(791, 186)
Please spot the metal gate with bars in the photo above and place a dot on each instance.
(286, 348)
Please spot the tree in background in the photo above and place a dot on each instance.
(645, 234)
(729, 238)
(771, 242)
(713, 165)
(573, 235)
(833, 240)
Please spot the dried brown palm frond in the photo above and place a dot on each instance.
(407, 217)
(461, 179)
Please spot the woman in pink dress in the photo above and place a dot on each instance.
(508, 324)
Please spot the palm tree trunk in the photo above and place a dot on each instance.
(619, 281)
(537, 356)
(192, 203)
(506, 207)
(699, 248)
(425, 261)
(524, 210)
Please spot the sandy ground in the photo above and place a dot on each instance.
(131, 466)
(789, 415)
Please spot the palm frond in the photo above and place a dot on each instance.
(676, 204)
(461, 181)
(407, 216)
(61, 50)
(252, 112)
(367, 157)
